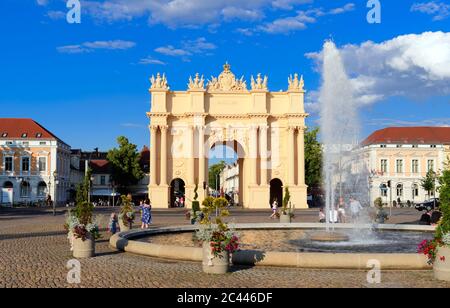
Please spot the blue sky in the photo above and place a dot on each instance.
(88, 82)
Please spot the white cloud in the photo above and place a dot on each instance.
(151, 61)
(56, 15)
(190, 47)
(92, 46)
(172, 51)
(415, 66)
(42, 2)
(302, 19)
(289, 4)
(439, 10)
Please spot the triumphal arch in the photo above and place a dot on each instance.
(266, 130)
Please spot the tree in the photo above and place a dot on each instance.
(83, 189)
(313, 158)
(429, 182)
(214, 170)
(444, 195)
(124, 160)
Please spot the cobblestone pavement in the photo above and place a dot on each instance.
(34, 252)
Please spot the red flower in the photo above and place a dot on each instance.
(443, 258)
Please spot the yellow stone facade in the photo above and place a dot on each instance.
(265, 128)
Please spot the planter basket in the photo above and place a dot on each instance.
(441, 268)
(212, 264)
(83, 249)
(285, 219)
(124, 227)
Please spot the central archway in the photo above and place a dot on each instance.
(177, 193)
(230, 182)
(276, 191)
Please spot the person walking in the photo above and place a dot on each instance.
(146, 214)
(274, 209)
(113, 225)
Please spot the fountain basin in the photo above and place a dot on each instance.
(328, 236)
(128, 242)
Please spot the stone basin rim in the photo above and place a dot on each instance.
(389, 261)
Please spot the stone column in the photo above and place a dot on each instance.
(291, 156)
(263, 153)
(153, 132)
(301, 156)
(191, 158)
(253, 154)
(201, 156)
(164, 155)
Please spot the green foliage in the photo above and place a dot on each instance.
(83, 211)
(126, 170)
(218, 208)
(313, 158)
(195, 192)
(126, 211)
(429, 182)
(214, 170)
(378, 202)
(444, 195)
(82, 193)
(287, 208)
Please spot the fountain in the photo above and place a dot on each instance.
(339, 120)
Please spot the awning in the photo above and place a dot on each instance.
(104, 193)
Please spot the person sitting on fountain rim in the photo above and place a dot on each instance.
(355, 207)
(322, 216)
(341, 211)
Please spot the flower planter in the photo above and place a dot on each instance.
(285, 218)
(212, 264)
(83, 249)
(441, 266)
(124, 227)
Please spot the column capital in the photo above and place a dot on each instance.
(164, 127)
(153, 128)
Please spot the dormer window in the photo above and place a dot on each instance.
(24, 135)
(39, 135)
(4, 135)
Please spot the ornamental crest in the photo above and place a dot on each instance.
(227, 82)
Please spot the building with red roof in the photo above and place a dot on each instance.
(34, 163)
(403, 156)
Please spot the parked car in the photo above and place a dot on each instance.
(428, 205)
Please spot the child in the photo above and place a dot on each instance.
(274, 209)
(146, 214)
(322, 216)
(113, 224)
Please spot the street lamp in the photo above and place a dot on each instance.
(55, 179)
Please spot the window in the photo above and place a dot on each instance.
(25, 164)
(384, 190)
(25, 190)
(430, 165)
(38, 135)
(415, 191)
(103, 180)
(433, 146)
(399, 190)
(384, 165)
(4, 135)
(9, 143)
(399, 145)
(9, 164)
(382, 146)
(42, 162)
(24, 135)
(42, 189)
(42, 143)
(415, 146)
(399, 166)
(415, 166)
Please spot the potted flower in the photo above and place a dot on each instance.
(82, 231)
(381, 215)
(127, 214)
(219, 240)
(438, 249)
(287, 210)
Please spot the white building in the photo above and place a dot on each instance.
(404, 155)
(34, 163)
(229, 181)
